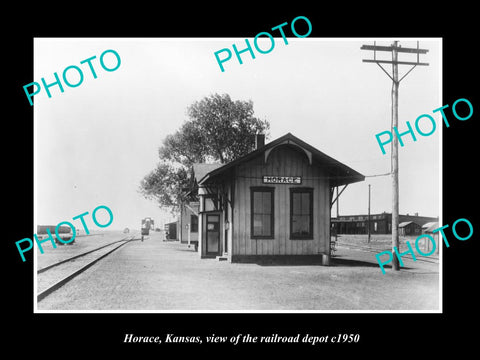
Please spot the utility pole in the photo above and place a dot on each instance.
(395, 49)
(338, 201)
(338, 223)
(394, 161)
(368, 213)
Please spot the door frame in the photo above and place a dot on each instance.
(220, 235)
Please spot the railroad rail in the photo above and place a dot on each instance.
(58, 284)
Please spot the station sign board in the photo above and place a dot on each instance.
(297, 180)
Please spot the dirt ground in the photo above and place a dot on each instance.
(155, 275)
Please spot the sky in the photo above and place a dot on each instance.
(95, 142)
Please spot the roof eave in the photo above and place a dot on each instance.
(350, 173)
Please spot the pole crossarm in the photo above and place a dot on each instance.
(395, 62)
(392, 47)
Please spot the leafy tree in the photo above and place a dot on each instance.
(218, 130)
(165, 185)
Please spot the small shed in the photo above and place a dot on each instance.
(171, 231)
(409, 228)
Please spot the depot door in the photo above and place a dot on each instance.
(213, 234)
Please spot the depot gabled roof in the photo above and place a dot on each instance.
(338, 173)
(200, 170)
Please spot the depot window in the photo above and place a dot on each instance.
(210, 203)
(262, 217)
(301, 213)
(193, 223)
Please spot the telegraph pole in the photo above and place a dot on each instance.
(395, 49)
(368, 213)
(394, 160)
(338, 201)
(338, 223)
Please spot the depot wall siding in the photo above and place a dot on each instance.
(283, 161)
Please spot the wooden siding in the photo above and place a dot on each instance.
(283, 161)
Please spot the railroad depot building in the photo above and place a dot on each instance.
(273, 202)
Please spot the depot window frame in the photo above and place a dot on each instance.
(301, 190)
(270, 190)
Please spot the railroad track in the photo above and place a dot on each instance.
(428, 259)
(69, 268)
